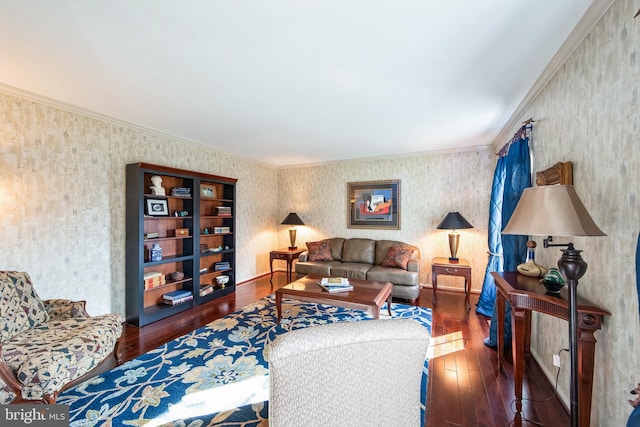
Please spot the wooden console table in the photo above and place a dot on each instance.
(527, 294)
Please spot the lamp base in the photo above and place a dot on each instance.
(292, 238)
(454, 238)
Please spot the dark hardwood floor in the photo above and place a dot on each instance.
(465, 387)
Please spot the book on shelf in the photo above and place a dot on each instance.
(222, 265)
(224, 211)
(180, 293)
(221, 230)
(181, 191)
(336, 287)
(178, 300)
(206, 290)
(153, 279)
(335, 281)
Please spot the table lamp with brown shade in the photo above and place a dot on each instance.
(292, 219)
(556, 210)
(454, 221)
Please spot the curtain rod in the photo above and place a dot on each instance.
(520, 134)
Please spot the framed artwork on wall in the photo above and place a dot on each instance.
(374, 204)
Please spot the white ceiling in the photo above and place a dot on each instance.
(291, 82)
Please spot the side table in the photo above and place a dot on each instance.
(286, 254)
(525, 295)
(446, 268)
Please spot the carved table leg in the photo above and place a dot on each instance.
(500, 329)
(434, 282)
(587, 325)
(279, 305)
(518, 332)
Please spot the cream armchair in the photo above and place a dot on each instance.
(365, 373)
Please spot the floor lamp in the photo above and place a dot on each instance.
(556, 210)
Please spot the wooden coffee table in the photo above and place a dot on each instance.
(366, 294)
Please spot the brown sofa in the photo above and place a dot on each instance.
(366, 259)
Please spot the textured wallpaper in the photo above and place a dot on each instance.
(431, 185)
(588, 114)
(63, 176)
(63, 181)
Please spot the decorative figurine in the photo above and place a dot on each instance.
(530, 268)
(157, 188)
(156, 252)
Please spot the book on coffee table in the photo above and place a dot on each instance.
(334, 281)
(335, 287)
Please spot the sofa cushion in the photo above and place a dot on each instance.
(319, 251)
(398, 257)
(359, 250)
(336, 245)
(20, 306)
(352, 270)
(393, 275)
(322, 268)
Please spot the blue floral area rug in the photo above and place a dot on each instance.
(216, 375)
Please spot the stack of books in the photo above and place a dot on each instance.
(153, 279)
(206, 290)
(224, 210)
(335, 284)
(221, 230)
(181, 191)
(177, 297)
(222, 265)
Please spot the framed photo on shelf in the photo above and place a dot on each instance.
(209, 192)
(157, 207)
(374, 204)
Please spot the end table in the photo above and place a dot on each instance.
(286, 254)
(444, 267)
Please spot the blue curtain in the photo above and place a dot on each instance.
(488, 294)
(511, 177)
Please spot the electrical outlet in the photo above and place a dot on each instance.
(556, 360)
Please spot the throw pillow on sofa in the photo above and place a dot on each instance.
(319, 251)
(398, 257)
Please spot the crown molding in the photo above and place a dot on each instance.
(476, 148)
(592, 16)
(53, 103)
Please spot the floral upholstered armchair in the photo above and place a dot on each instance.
(47, 345)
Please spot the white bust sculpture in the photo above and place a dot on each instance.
(157, 187)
